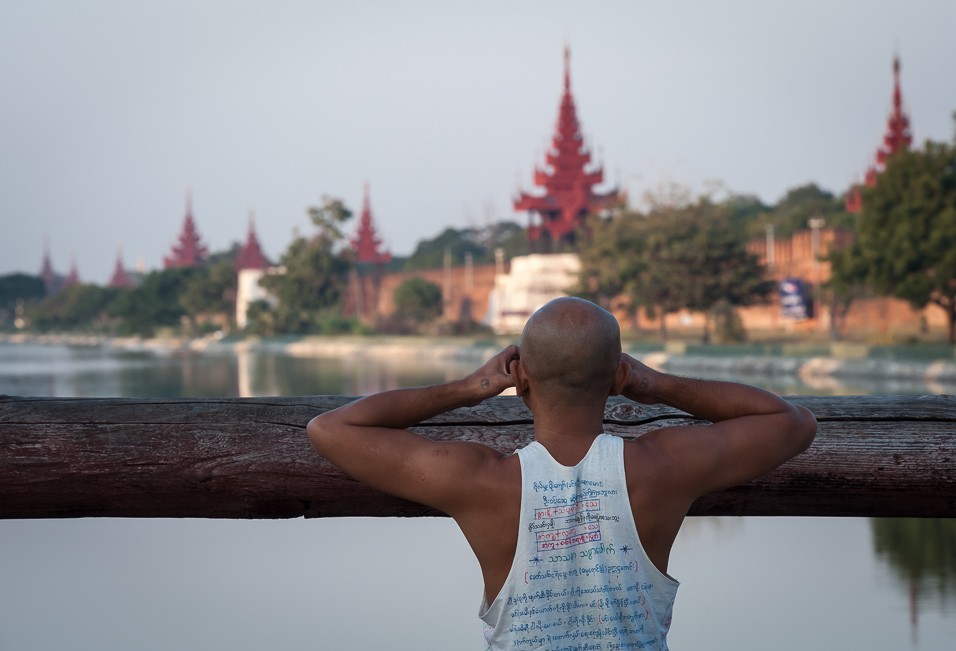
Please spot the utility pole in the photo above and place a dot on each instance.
(815, 224)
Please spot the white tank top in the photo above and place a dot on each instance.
(580, 578)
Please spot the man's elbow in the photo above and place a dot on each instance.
(805, 428)
(318, 430)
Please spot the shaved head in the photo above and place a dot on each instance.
(571, 347)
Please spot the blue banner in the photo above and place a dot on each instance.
(794, 301)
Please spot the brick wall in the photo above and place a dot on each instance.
(793, 257)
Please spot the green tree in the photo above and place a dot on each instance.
(614, 260)
(678, 256)
(510, 237)
(479, 243)
(744, 213)
(430, 254)
(797, 206)
(154, 303)
(906, 240)
(211, 292)
(16, 291)
(261, 319)
(80, 307)
(846, 284)
(418, 300)
(316, 275)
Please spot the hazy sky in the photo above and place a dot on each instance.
(111, 109)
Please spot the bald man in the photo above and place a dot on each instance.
(573, 532)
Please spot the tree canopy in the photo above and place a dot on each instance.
(316, 274)
(418, 299)
(18, 289)
(80, 307)
(791, 213)
(906, 236)
(212, 291)
(673, 257)
(154, 303)
(480, 243)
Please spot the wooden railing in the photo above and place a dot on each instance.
(250, 458)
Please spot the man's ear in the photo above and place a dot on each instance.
(519, 377)
(621, 377)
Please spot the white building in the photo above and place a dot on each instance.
(532, 281)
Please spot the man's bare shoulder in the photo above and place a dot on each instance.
(490, 482)
(474, 451)
(491, 464)
(654, 459)
(648, 449)
(469, 467)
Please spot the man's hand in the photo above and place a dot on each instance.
(640, 381)
(493, 377)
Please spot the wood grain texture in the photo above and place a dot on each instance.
(250, 458)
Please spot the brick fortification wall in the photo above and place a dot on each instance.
(792, 258)
(467, 289)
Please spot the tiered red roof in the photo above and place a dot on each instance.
(189, 250)
(251, 255)
(898, 137)
(567, 181)
(119, 278)
(366, 242)
(73, 277)
(49, 276)
(52, 281)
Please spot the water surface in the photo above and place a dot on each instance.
(363, 583)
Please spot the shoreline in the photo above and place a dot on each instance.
(846, 361)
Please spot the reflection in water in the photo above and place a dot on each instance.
(261, 374)
(61, 371)
(99, 371)
(922, 554)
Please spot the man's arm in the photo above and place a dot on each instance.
(368, 438)
(753, 430)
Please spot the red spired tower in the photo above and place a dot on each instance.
(119, 278)
(366, 242)
(567, 182)
(72, 278)
(898, 137)
(251, 255)
(51, 280)
(188, 250)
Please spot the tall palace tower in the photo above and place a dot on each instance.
(897, 137)
(566, 182)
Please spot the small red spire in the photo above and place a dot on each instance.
(366, 242)
(72, 278)
(119, 278)
(47, 273)
(568, 179)
(853, 201)
(898, 137)
(567, 68)
(189, 250)
(251, 255)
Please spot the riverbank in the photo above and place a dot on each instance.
(812, 363)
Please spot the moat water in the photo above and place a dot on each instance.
(363, 583)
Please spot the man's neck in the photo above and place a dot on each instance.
(567, 434)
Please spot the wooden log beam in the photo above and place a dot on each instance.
(250, 458)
